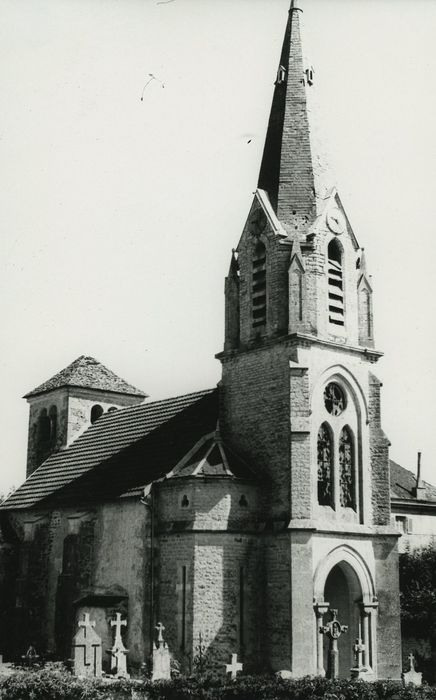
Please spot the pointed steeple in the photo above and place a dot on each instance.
(289, 166)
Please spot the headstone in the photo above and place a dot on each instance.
(87, 650)
(161, 657)
(119, 651)
(30, 658)
(234, 667)
(333, 631)
(412, 676)
(285, 675)
(358, 670)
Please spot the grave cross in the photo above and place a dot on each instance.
(86, 623)
(160, 628)
(234, 666)
(358, 648)
(411, 661)
(333, 631)
(118, 623)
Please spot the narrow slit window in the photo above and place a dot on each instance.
(335, 284)
(259, 286)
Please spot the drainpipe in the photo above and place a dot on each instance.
(148, 500)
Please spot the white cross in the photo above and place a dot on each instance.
(86, 623)
(160, 628)
(118, 623)
(412, 661)
(234, 666)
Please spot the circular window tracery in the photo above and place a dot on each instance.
(334, 399)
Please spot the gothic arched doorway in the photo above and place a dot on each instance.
(343, 593)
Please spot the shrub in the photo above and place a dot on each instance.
(60, 685)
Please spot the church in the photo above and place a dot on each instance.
(238, 516)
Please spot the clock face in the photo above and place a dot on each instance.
(336, 220)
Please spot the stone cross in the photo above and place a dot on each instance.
(412, 676)
(87, 650)
(333, 631)
(86, 622)
(160, 629)
(161, 657)
(119, 651)
(118, 623)
(358, 648)
(234, 667)
(359, 670)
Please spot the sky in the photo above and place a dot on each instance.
(118, 215)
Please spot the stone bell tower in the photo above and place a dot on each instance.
(300, 400)
(70, 402)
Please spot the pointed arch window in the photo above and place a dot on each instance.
(259, 286)
(346, 469)
(325, 466)
(335, 283)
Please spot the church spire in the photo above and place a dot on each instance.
(287, 169)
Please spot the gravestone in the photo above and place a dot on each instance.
(30, 658)
(358, 670)
(87, 650)
(333, 631)
(234, 667)
(119, 651)
(161, 657)
(412, 676)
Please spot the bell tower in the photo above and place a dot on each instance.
(68, 403)
(298, 395)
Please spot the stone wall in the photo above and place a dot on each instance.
(98, 556)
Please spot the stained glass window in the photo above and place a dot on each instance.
(346, 470)
(334, 399)
(325, 466)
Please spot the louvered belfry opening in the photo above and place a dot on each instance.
(259, 286)
(335, 284)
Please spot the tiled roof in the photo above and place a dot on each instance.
(89, 373)
(403, 482)
(122, 450)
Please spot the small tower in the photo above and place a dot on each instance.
(65, 405)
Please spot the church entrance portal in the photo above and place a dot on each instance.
(343, 593)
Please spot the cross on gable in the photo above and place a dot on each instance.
(234, 666)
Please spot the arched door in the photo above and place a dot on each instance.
(343, 593)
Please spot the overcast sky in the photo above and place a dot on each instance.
(118, 215)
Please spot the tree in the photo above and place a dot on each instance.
(418, 593)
